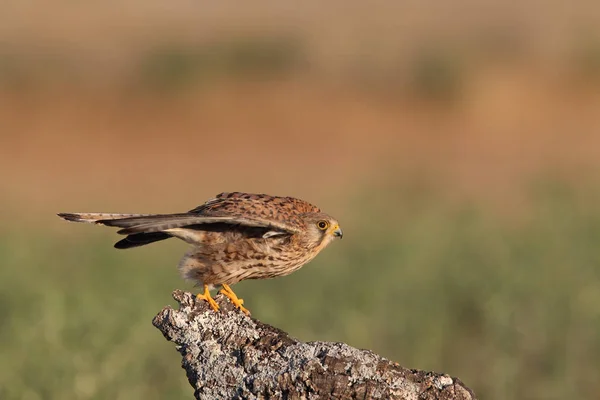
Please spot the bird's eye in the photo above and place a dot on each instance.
(323, 225)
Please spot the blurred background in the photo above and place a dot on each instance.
(457, 142)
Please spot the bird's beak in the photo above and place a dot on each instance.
(337, 232)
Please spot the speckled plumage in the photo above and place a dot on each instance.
(235, 236)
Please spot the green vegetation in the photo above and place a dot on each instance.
(179, 66)
(512, 308)
(437, 73)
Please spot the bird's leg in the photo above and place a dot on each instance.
(206, 297)
(239, 303)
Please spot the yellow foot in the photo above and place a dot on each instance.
(206, 297)
(239, 303)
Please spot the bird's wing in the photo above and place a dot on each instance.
(274, 214)
(283, 211)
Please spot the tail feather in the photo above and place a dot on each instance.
(142, 229)
(122, 220)
(97, 217)
(137, 223)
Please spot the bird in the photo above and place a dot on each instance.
(234, 236)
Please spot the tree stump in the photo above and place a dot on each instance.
(228, 355)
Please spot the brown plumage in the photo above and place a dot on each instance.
(235, 236)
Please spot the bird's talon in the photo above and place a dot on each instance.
(237, 302)
(206, 297)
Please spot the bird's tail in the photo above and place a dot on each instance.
(135, 240)
(92, 218)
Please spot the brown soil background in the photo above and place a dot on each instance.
(75, 135)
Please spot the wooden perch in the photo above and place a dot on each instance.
(228, 355)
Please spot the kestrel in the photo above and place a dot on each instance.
(235, 236)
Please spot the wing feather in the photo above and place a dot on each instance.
(164, 222)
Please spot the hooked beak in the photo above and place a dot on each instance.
(338, 232)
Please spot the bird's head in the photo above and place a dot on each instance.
(321, 229)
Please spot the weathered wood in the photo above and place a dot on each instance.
(228, 355)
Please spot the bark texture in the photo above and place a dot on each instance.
(228, 355)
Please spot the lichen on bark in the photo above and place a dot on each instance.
(228, 355)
